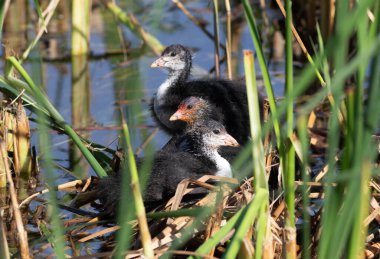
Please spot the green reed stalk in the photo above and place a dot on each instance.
(80, 36)
(41, 98)
(346, 204)
(264, 69)
(362, 135)
(254, 120)
(137, 195)
(354, 142)
(287, 152)
(258, 158)
(304, 140)
(334, 196)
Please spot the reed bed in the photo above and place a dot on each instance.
(322, 151)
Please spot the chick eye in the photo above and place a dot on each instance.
(173, 54)
(216, 131)
(189, 107)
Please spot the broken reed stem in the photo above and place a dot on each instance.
(198, 23)
(59, 187)
(22, 234)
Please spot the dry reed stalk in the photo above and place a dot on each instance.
(172, 231)
(98, 234)
(216, 38)
(59, 187)
(312, 119)
(47, 14)
(290, 242)
(327, 17)
(375, 213)
(229, 39)
(147, 141)
(246, 249)
(280, 208)
(216, 218)
(4, 250)
(8, 129)
(375, 205)
(303, 47)
(22, 138)
(22, 234)
(373, 251)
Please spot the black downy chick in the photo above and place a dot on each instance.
(228, 98)
(198, 157)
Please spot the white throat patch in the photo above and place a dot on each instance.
(162, 90)
(222, 165)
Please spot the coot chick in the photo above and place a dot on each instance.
(228, 98)
(197, 111)
(198, 157)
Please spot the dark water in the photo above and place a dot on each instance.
(118, 78)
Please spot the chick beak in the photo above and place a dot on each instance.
(176, 116)
(158, 63)
(230, 141)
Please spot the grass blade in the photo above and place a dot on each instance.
(137, 195)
